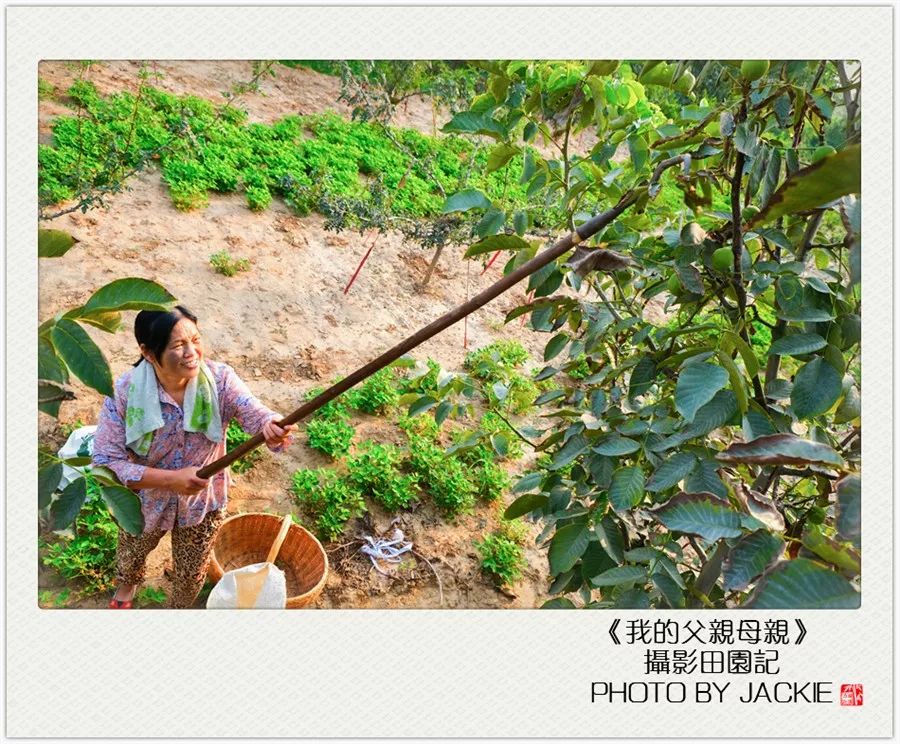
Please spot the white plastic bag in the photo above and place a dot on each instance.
(260, 586)
(79, 444)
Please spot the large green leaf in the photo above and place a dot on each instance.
(464, 200)
(125, 506)
(567, 546)
(699, 514)
(671, 592)
(714, 414)
(475, 123)
(525, 504)
(672, 471)
(615, 445)
(500, 156)
(841, 555)
(82, 355)
(610, 536)
(817, 387)
(697, 384)
(109, 321)
(595, 561)
(803, 584)
(627, 488)
(620, 575)
(820, 183)
(751, 556)
(48, 481)
(781, 449)
(65, 508)
(130, 293)
(849, 508)
(705, 478)
(496, 243)
(797, 344)
(642, 377)
(49, 365)
(569, 451)
(54, 243)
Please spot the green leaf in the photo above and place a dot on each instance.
(64, 510)
(525, 504)
(751, 363)
(627, 488)
(704, 478)
(422, 404)
(736, 379)
(615, 445)
(745, 139)
(520, 221)
(491, 223)
(49, 365)
(569, 451)
(642, 377)
(106, 321)
(500, 156)
(558, 603)
(817, 184)
(817, 387)
(797, 344)
(781, 449)
(555, 345)
(672, 471)
(830, 550)
(474, 123)
(595, 561)
(697, 384)
(527, 482)
(125, 506)
(442, 411)
(567, 546)
(699, 514)
(633, 599)
(849, 507)
(751, 556)
(54, 243)
(803, 584)
(610, 537)
(670, 591)
(130, 293)
(620, 575)
(463, 201)
(48, 482)
(496, 243)
(714, 414)
(82, 356)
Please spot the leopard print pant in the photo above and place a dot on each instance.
(191, 546)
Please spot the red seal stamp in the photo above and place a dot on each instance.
(851, 694)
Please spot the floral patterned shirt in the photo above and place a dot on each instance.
(174, 448)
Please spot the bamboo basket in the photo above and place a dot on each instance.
(245, 539)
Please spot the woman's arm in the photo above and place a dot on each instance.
(254, 417)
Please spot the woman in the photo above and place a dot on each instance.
(167, 420)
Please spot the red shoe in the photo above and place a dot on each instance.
(118, 604)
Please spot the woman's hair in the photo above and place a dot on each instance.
(154, 327)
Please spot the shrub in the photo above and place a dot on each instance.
(46, 89)
(234, 436)
(490, 362)
(331, 436)
(442, 476)
(224, 264)
(501, 557)
(330, 500)
(375, 470)
(487, 477)
(419, 426)
(90, 555)
(376, 393)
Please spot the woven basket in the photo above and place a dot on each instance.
(245, 539)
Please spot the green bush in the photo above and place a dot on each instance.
(491, 362)
(376, 393)
(501, 557)
(223, 263)
(89, 556)
(375, 470)
(442, 476)
(234, 436)
(333, 437)
(488, 478)
(329, 499)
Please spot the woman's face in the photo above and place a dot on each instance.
(182, 356)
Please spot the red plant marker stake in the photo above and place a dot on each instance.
(490, 263)
(361, 264)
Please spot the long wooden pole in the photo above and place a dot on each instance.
(581, 233)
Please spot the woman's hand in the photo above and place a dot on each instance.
(277, 436)
(186, 481)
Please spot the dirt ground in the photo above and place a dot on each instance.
(287, 326)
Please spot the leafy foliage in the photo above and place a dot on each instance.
(330, 500)
(234, 437)
(223, 263)
(375, 470)
(502, 555)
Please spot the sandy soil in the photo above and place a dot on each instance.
(286, 325)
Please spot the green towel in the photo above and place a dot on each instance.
(143, 413)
